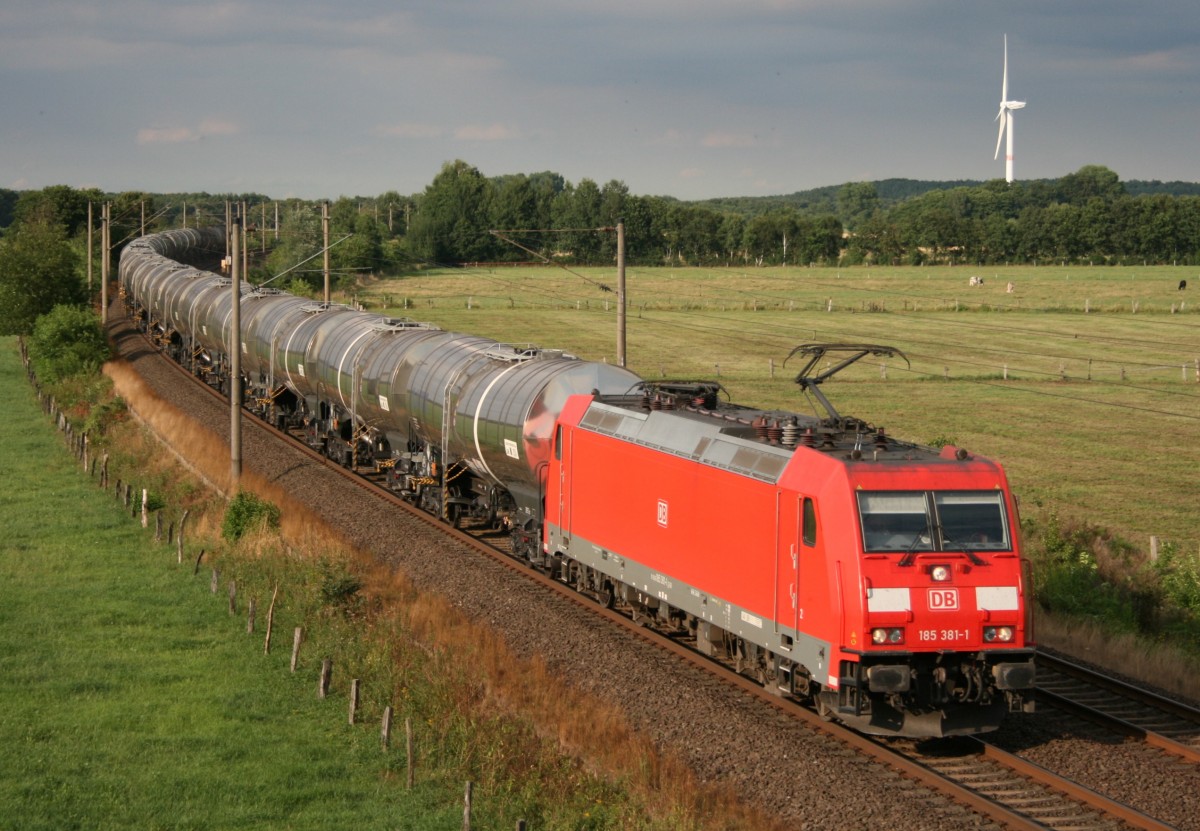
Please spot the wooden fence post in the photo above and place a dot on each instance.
(467, 807)
(326, 675)
(297, 637)
(216, 580)
(179, 549)
(408, 751)
(251, 610)
(354, 693)
(385, 729)
(270, 621)
(232, 597)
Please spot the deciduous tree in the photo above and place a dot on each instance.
(38, 271)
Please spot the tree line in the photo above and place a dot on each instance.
(464, 217)
(1085, 217)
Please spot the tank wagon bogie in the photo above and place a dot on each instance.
(878, 579)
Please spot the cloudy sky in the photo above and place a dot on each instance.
(687, 98)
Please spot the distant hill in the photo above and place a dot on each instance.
(823, 200)
(1138, 187)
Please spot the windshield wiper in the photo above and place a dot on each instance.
(911, 553)
(971, 555)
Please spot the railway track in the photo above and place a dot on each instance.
(978, 775)
(1160, 722)
(1037, 797)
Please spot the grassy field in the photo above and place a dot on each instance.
(130, 699)
(1082, 381)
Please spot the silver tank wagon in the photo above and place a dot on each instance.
(463, 425)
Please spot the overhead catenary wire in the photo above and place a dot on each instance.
(500, 234)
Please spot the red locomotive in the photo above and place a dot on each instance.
(881, 579)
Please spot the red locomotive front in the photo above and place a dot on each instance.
(886, 585)
(937, 638)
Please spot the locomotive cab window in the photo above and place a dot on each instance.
(974, 520)
(911, 521)
(810, 522)
(895, 521)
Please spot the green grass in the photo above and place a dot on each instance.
(129, 698)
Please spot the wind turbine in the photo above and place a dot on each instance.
(1005, 118)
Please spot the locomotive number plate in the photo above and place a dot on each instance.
(943, 635)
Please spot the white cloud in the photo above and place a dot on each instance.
(217, 127)
(409, 131)
(182, 134)
(729, 140)
(486, 132)
(166, 135)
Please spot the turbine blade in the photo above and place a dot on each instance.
(1004, 84)
(999, 138)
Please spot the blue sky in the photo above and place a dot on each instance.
(686, 98)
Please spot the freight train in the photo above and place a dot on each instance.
(878, 579)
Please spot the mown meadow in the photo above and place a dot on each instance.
(1078, 394)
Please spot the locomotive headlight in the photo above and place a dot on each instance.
(998, 634)
(891, 635)
(940, 574)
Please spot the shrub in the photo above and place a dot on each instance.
(1180, 578)
(1069, 581)
(67, 341)
(246, 512)
(339, 589)
(102, 416)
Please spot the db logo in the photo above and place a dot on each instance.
(943, 600)
(662, 513)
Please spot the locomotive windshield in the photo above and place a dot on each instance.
(912, 521)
